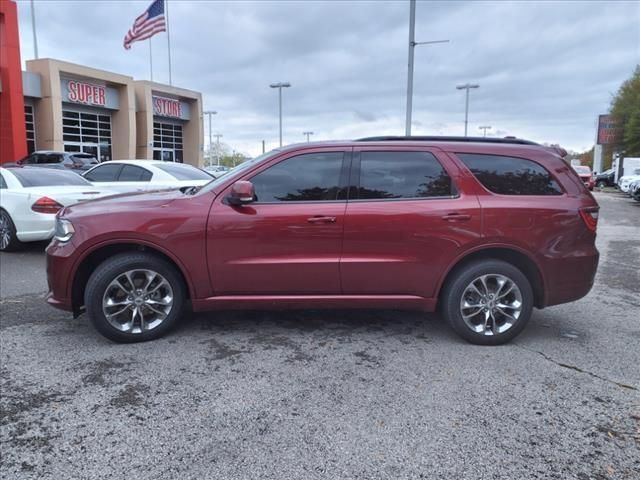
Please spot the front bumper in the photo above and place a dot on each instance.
(59, 265)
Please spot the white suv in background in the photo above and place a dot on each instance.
(625, 181)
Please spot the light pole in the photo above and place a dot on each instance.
(210, 112)
(467, 87)
(280, 86)
(484, 129)
(218, 135)
(412, 46)
(307, 134)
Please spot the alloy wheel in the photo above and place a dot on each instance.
(5, 231)
(491, 304)
(137, 301)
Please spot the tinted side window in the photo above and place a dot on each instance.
(50, 158)
(3, 183)
(511, 175)
(386, 175)
(309, 177)
(104, 173)
(131, 173)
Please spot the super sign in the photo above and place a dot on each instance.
(86, 93)
(167, 107)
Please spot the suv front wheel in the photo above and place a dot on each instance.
(133, 297)
(488, 302)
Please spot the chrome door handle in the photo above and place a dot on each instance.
(321, 219)
(456, 217)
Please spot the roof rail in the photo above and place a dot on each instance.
(420, 138)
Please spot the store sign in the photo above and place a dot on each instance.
(86, 93)
(608, 130)
(167, 107)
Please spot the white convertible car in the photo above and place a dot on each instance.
(30, 197)
(143, 175)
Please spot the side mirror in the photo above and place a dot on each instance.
(242, 192)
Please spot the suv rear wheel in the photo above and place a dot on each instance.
(134, 297)
(488, 302)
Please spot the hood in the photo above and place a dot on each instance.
(125, 202)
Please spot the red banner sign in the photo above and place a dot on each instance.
(167, 107)
(607, 130)
(86, 93)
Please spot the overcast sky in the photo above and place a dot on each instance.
(545, 69)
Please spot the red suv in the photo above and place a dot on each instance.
(481, 229)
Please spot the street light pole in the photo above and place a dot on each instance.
(307, 134)
(280, 86)
(485, 128)
(210, 112)
(412, 46)
(218, 135)
(467, 87)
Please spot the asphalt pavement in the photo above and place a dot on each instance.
(327, 394)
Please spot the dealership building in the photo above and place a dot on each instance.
(81, 109)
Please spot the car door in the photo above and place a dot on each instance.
(405, 221)
(289, 240)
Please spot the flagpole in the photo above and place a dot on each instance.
(168, 40)
(150, 60)
(33, 26)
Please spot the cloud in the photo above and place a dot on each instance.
(545, 69)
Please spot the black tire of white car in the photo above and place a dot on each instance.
(113, 268)
(450, 301)
(7, 227)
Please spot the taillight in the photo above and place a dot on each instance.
(46, 205)
(590, 217)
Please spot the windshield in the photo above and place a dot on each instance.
(237, 171)
(42, 177)
(180, 171)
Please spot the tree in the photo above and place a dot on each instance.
(625, 109)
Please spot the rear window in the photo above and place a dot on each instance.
(84, 159)
(510, 175)
(389, 175)
(582, 170)
(181, 171)
(43, 177)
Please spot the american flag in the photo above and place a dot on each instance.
(152, 21)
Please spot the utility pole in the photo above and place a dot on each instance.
(307, 134)
(262, 146)
(33, 27)
(412, 46)
(485, 128)
(280, 86)
(467, 87)
(210, 113)
(218, 136)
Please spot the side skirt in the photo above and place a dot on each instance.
(284, 302)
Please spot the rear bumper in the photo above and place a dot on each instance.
(570, 278)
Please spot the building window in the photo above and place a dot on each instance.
(87, 133)
(167, 142)
(31, 129)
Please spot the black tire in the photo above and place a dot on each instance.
(13, 243)
(117, 265)
(452, 296)
(601, 184)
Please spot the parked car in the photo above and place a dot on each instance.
(626, 180)
(585, 175)
(217, 170)
(143, 175)
(481, 229)
(76, 161)
(634, 190)
(31, 197)
(606, 179)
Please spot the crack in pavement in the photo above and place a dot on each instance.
(578, 369)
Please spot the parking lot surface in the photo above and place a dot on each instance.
(367, 394)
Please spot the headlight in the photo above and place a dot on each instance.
(64, 230)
